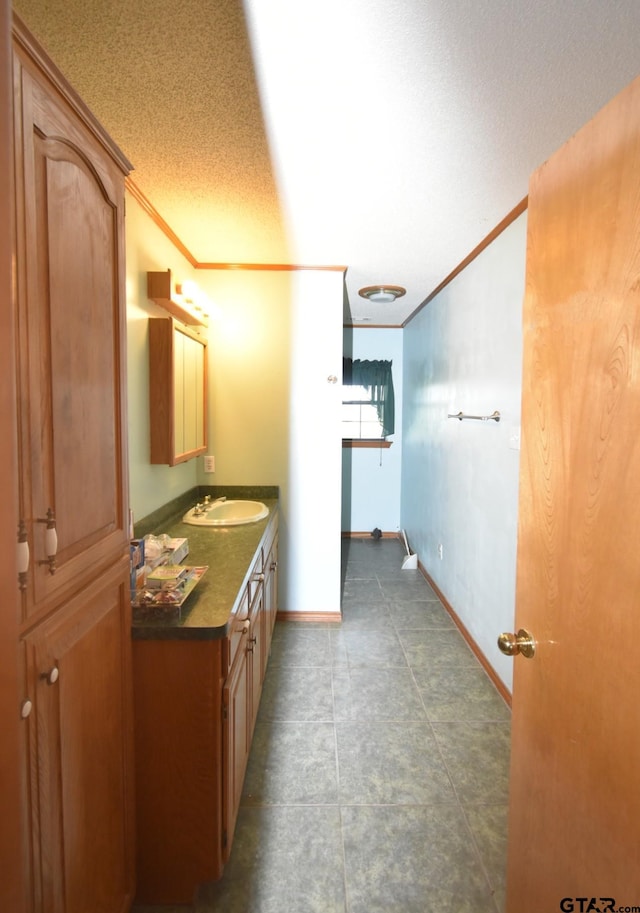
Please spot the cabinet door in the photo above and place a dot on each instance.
(177, 392)
(177, 686)
(70, 264)
(255, 650)
(236, 740)
(271, 590)
(193, 374)
(80, 743)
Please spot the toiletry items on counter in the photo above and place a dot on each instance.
(136, 566)
(150, 553)
(166, 590)
(178, 550)
(164, 550)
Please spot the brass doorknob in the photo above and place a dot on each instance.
(522, 642)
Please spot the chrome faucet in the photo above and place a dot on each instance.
(203, 506)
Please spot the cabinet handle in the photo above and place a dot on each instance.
(25, 708)
(253, 640)
(245, 627)
(273, 565)
(52, 676)
(50, 540)
(23, 555)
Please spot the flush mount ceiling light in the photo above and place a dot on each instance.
(382, 294)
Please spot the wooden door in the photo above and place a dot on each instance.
(574, 827)
(70, 322)
(81, 744)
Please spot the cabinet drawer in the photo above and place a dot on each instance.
(243, 617)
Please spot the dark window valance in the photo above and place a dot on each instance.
(377, 378)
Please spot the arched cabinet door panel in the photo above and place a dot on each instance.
(70, 262)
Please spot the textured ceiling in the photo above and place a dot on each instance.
(388, 137)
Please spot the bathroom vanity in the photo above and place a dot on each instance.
(197, 684)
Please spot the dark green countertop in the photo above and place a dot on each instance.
(229, 553)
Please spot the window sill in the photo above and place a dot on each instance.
(368, 442)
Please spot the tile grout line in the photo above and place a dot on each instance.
(343, 851)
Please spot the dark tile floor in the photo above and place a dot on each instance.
(378, 775)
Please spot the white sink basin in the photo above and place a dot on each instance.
(227, 513)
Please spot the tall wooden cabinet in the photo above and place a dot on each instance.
(11, 876)
(72, 495)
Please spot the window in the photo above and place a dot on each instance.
(367, 400)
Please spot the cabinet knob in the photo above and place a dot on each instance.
(52, 676)
(23, 555)
(245, 626)
(259, 578)
(25, 708)
(50, 540)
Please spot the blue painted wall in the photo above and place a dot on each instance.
(463, 352)
(371, 476)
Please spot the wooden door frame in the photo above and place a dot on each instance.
(11, 874)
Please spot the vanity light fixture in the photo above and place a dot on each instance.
(194, 298)
(179, 301)
(382, 294)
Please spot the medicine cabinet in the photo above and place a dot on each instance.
(177, 391)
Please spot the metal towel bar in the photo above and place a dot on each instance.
(494, 417)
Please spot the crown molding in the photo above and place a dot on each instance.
(500, 227)
(166, 229)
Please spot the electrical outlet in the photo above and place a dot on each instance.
(209, 464)
(514, 437)
(440, 551)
